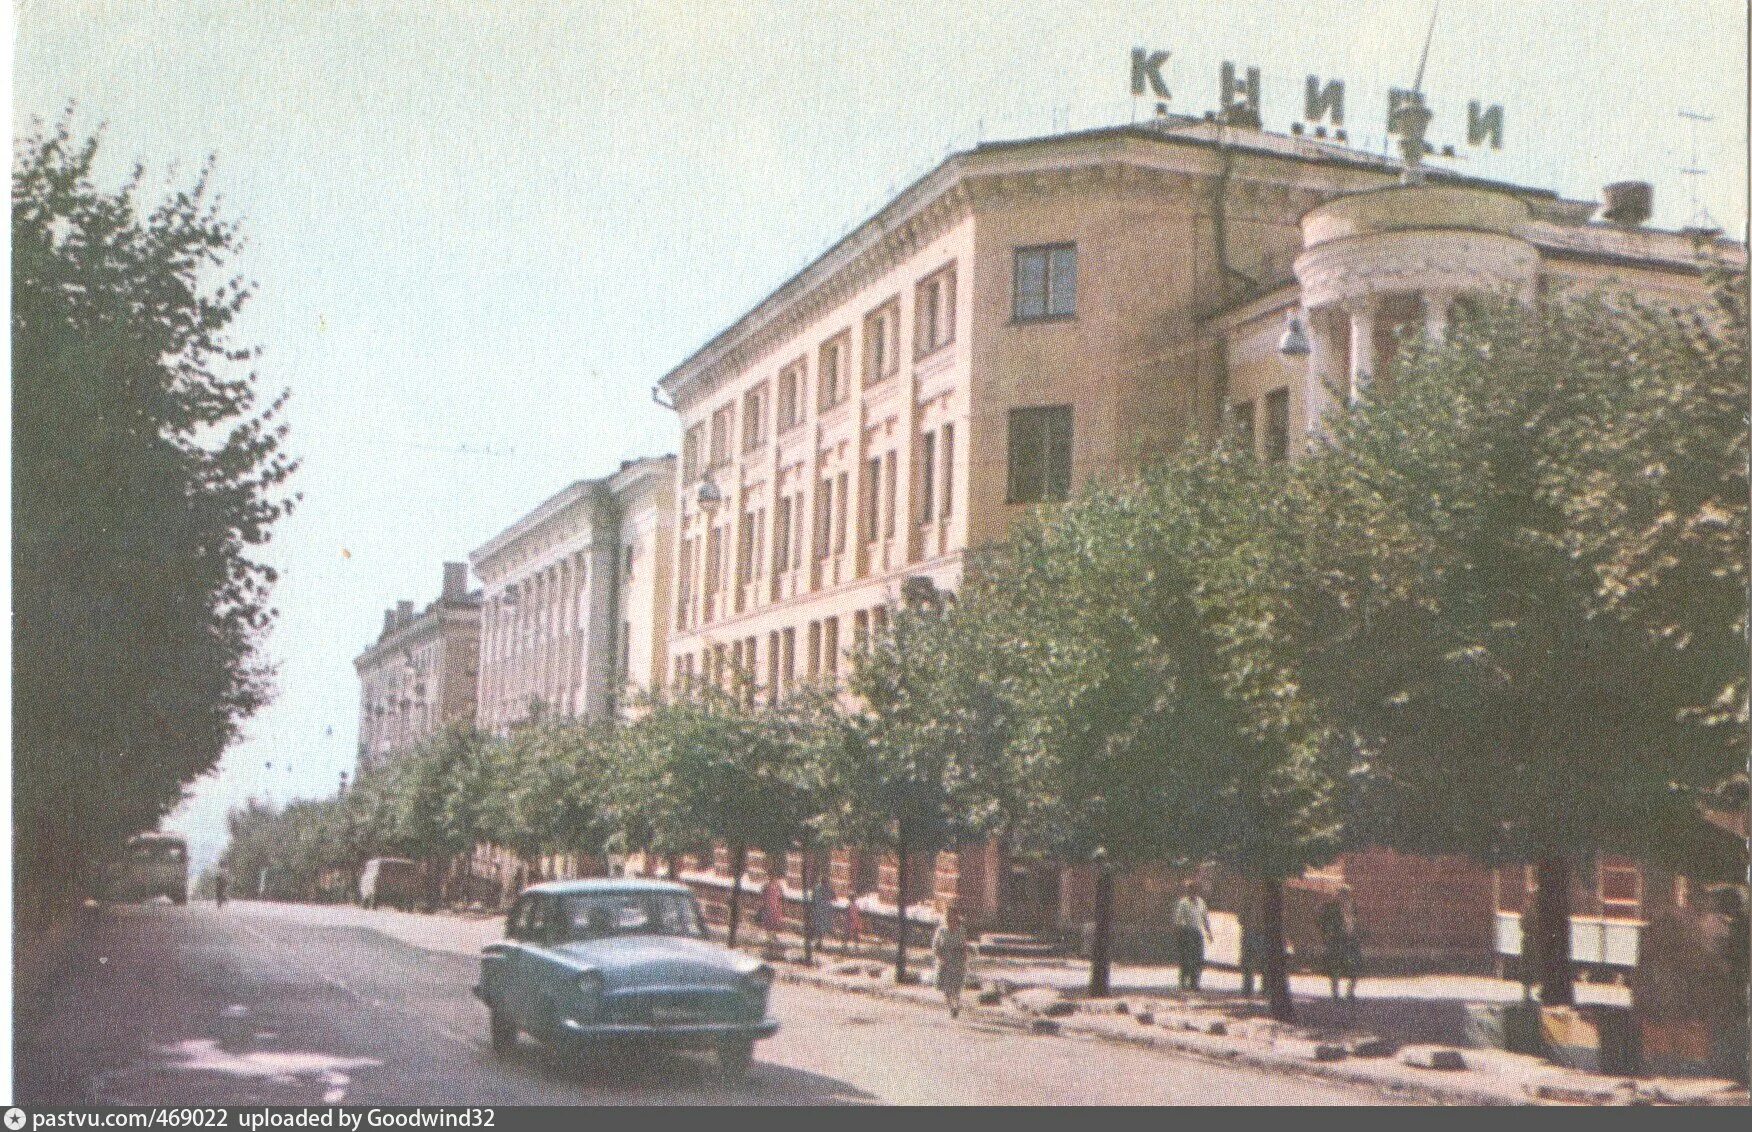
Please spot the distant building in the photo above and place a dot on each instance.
(571, 615)
(1034, 316)
(421, 672)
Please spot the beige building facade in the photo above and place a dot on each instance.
(573, 599)
(420, 674)
(1031, 317)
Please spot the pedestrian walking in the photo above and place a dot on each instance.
(855, 926)
(220, 884)
(1192, 928)
(1342, 938)
(821, 910)
(949, 948)
(772, 908)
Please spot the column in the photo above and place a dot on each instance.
(1436, 306)
(1362, 345)
(1325, 362)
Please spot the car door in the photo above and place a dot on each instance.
(507, 967)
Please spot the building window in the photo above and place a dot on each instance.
(927, 477)
(948, 470)
(872, 499)
(1040, 454)
(814, 649)
(1241, 422)
(722, 422)
(890, 482)
(934, 312)
(833, 377)
(782, 535)
(1046, 282)
(882, 342)
(690, 453)
(860, 630)
(745, 548)
(839, 534)
(1621, 888)
(830, 647)
(824, 518)
(1277, 425)
(788, 665)
(754, 407)
(791, 395)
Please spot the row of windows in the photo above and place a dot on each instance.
(1044, 287)
(741, 666)
(876, 518)
(933, 330)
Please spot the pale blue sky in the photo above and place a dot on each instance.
(482, 231)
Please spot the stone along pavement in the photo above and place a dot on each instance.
(264, 1004)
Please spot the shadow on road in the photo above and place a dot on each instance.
(656, 1074)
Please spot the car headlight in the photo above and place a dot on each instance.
(589, 986)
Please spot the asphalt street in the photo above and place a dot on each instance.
(155, 1004)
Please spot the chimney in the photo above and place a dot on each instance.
(455, 580)
(388, 622)
(1629, 203)
(404, 612)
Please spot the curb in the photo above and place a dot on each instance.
(1166, 1041)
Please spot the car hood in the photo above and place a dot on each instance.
(656, 960)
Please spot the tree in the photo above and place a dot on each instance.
(146, 475)
(906, 770)
(707, 766)
(1166, 723)
(1524, 590)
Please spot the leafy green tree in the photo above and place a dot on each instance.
(146, 476)
(912, 767)
(1523, 590)
(705, 767)
(1135, 628)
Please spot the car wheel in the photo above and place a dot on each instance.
(734, 1057)
(504, 1030)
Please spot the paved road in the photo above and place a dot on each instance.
(162, 1005)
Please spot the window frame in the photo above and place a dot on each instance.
(882, 328)
(1048, 254)
(754, 414)
(795, 375)
(839, 348)
(1047, 414)
(937, 332)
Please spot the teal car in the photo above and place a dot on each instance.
(624, 961)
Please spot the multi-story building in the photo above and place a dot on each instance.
(420, 673)
(574, 593)
(1034, 316)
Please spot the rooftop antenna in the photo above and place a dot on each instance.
(1414, 117)
(1694, 174)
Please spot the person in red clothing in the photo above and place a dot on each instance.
(772, 912)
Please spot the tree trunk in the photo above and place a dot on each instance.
(808, 910)
(738, 861)
(1556, 973)
(900, 923)
(1100, 952)
(1275, 974)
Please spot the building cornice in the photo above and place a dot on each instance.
(429, 622)
(954, 188)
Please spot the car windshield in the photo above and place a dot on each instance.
(596, 915)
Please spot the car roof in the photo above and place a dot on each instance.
(605, 884)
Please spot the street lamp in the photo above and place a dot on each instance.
(709, 495)
(1294, 343)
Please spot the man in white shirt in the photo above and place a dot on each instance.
(1192, 927)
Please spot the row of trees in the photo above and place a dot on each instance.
(148, 470)
(1502, 612)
